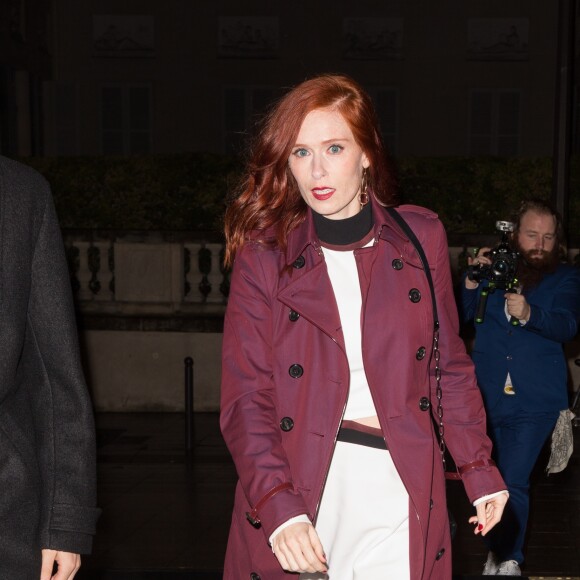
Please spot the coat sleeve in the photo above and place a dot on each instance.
(63, 419)
(560, 322)
(464, 416)
(469, 299)
(249, 419)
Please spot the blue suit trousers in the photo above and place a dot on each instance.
(518, 438)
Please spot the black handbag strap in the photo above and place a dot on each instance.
(417, 244)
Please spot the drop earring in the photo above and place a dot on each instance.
(363, 196)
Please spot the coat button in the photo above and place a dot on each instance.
(424, 404)
(293, 316)
(295, 371)
(254, 576)
(254, 521)
(420, 354)
(299, 263)
(414, 295)
(397, 264)
(440, 554)
(286, 424)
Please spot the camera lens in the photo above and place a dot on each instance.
(500, 267)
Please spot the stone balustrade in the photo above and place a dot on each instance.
(153, 273)
(159, 273)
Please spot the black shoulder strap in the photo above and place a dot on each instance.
(411, 235)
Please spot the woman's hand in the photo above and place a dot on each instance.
(298, 549)
(489, 513)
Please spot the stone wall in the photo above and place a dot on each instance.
(144, 371)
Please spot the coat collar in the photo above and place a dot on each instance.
(386, 228)
(300, 238)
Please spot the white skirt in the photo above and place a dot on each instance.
(363, 520)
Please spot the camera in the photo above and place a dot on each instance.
(504, 261)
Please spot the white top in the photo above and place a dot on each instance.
(343, 275)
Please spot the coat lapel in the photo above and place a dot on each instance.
(311, 295)
(308, 290)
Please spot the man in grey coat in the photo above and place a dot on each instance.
(47, 437)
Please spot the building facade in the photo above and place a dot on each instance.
(133, 77)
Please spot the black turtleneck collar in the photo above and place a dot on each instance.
(345, 231)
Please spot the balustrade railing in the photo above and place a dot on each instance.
(146, 271)
(125, 272)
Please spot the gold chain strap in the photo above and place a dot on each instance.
(439, 394)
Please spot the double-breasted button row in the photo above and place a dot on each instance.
(287, 424)
(424, 404)
(414, 294)
(295, 371)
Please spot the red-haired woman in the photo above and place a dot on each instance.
(329, 381)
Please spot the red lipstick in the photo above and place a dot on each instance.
(322, 193)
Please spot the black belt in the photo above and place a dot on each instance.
(347, 435)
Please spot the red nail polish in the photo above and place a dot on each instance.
(480, 527)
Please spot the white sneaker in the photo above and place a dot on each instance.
(491, 565)
(509, 568)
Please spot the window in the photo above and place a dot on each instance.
(495, 123)
(242, 108)
(126, 119)
(18, 19)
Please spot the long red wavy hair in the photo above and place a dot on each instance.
(269, 196)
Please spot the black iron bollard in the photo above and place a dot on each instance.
(189, 428)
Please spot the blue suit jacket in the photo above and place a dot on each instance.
(532, 354)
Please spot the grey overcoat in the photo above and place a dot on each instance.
(47, 437)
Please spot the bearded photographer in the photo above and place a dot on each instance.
(520, 363)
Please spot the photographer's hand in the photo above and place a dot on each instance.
(480, 258)
(517, 306)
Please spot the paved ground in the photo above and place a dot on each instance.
(166, 517)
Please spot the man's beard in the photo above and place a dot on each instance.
(533, 265)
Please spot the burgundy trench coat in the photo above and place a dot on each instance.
(285, 382)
